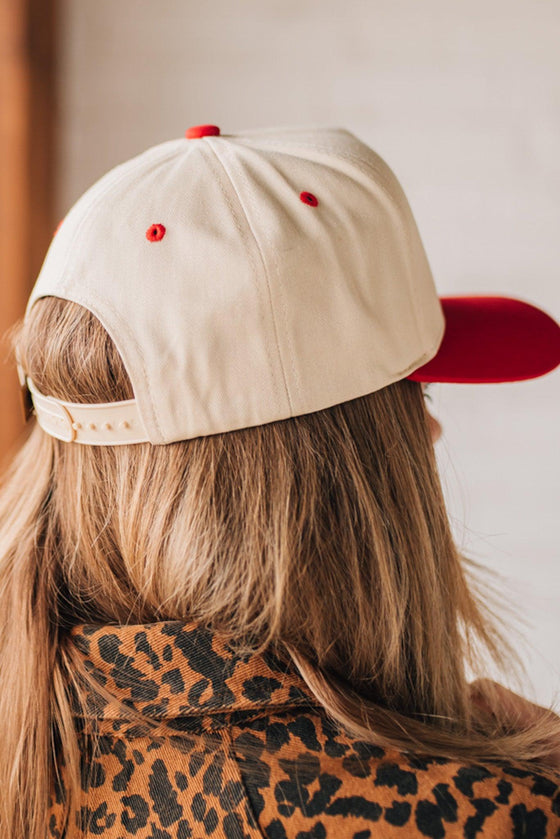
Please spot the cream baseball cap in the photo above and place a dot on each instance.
(247, 278)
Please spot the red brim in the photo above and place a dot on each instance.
(492, 339)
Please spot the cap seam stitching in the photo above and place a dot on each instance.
(289, 350)
(265, 270)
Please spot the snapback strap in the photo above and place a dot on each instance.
(97, 424)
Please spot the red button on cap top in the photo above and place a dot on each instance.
(202, 131)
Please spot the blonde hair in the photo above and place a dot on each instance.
(324, 536)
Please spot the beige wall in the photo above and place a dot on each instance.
(463, 101)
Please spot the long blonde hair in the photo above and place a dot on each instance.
(324, 536)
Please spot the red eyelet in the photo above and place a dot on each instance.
(202, 131)
(308, 198)
(155, 232)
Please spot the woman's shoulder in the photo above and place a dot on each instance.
(329, 784)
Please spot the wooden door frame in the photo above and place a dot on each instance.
(28, 121)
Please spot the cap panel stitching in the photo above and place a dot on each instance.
(271, 308)
(274, 259)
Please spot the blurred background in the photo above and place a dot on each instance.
(461, 99)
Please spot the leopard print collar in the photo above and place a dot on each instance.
(175, 669)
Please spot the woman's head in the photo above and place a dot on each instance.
(326, 531)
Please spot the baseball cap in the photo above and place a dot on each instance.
(252, 277)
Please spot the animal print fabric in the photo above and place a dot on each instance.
(309, 780)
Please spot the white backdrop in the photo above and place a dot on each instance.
(463, 101)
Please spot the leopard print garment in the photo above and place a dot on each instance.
(308, 780)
